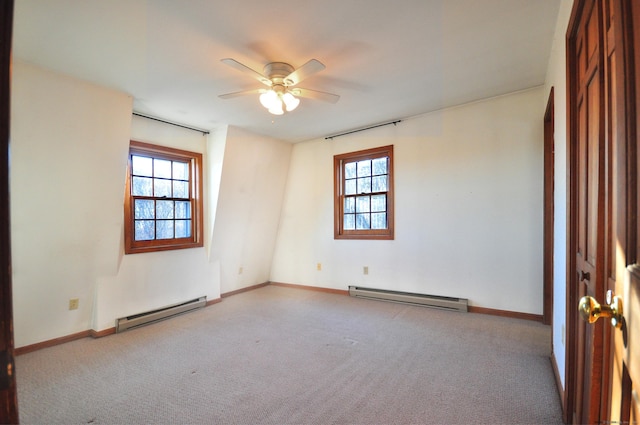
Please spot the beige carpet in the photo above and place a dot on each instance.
(280, 355)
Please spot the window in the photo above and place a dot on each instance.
(163, 199)
(363, 206)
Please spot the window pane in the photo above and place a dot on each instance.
(350, 170)
(180, 189)
(183, 209)
(143, 209)
(164, 209)
(379, 203)
(349, 222)
(350, 187)
(162, 168)
(350, 205)
(141, 186)
(379, 221)
(362, 204)
(141, 165)
(364, 185)
(362, 221)
(364, 168)
(379, 184)
(164, 229)
(183, 228)
(379, 166)
(161, 188)
(144, 230)
(181, 171)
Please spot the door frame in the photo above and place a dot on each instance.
(631, 16)
(549, 176)
(8, 391)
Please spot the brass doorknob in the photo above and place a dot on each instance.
(591, 310)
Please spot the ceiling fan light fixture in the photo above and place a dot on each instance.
(290, 102)
(276, 108)
(269, 98)
(277, 101)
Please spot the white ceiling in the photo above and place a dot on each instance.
(388, 59)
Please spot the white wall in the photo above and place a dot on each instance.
(248, 210)
(469, 185)
(245, 175)
(556, 78)
(69, 144)
(70, 141)
(147, 281)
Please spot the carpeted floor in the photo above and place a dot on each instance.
(279, 355)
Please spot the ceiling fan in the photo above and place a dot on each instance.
(281, 80)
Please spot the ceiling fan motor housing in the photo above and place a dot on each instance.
(276, 71)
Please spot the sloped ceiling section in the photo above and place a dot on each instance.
(386, 59)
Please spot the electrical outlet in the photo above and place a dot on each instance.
(319, 266)
(365, 270)
(74, 303)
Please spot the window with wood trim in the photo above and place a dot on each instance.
(163, 199)
(363, 204)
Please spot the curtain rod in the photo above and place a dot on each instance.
(199, 130)
(362, 129)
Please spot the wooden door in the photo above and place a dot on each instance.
(632, 290)
(601, 56)
(620, 143)
(587, 155)
(622, 20)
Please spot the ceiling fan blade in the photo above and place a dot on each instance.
(303, 72)
(243, 68)
(241, 93)
(314, 94)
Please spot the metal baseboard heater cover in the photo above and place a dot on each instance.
(163, 313)
(435, 301)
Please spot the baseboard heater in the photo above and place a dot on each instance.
(435, 301)
(163, 313)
